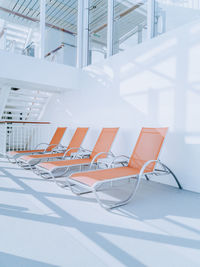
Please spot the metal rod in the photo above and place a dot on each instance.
(42, 28)
(79, 61)
(150, 19)
(36, 20)
(110, 28)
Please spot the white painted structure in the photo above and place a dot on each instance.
(27, 72)
(153, 84)
(156, 83)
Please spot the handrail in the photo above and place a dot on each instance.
(28, 46)
(23, 122)
(54, 50)
(58, 48)
(3, 32)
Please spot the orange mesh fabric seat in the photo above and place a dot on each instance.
(91, 177)
(100, 150)
(13, 153)
(142, 162)
(56, 139)
(50, 165)
(74, 146)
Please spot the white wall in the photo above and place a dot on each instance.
(154, 84)
(177, 16)
(23, 71)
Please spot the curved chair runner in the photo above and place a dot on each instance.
(143, 162)
(55, 141)
(53, 169)
(30, 160)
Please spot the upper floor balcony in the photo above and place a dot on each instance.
(79, 33)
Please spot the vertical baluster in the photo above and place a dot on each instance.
(35, 141)
(29, 138)
(38, 134)
(24, 138)
(32, 136)
(20, 136)
(12, 136)
(8, 133)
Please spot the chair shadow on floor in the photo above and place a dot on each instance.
(153, 201)
(9, 260)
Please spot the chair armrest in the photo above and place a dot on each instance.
(119, 159)
(99, 154)
(46, 144)
(59, 149)
(50, 146)
(74, 154)
(146, 165)
(82, 152)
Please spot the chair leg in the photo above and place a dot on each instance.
(173, 175)
(9, 159)
(55, 180)
(74, 191)
(118, 203)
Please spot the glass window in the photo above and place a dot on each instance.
(130, 24)
(170, 14)
(19, 26)
(61, 31)
(98, 13)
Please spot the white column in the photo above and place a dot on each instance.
(150, 18)
(42, 28)
(110, 28)
(163, 17)
(79, 59)
(85, 33)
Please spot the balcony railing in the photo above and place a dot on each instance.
(23, 135)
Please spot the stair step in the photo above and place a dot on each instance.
(27, 104)
(18, 117)
(24, 113)
(15, 38)
(31, 100)
(28, 95)
(14, 34)
(15, 28)
(25, 109)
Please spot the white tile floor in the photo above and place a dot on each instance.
(44, 225)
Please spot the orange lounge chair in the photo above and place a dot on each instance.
(53, 169)
(143, 162)
(55, 141)
(28, 161)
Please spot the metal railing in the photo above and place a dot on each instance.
(52, 55)
(29, 50)
(24, 136)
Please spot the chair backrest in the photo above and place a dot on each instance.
(147, 148)
(104, 142)
(57, 137)
(77, 140)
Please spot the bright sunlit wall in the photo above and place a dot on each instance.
(154, 84)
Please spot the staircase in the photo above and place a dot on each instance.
(23, 104)
(18, 37)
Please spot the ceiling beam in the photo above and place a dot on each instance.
(35, 20)
(119, 16)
